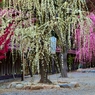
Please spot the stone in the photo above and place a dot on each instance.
(3, 87)
(70, 85)
(26, 83)
(12, 85)
(56, 86)
(37, 87)
(62, 82)
(73, 84)
(19, 86)
(47, 87)
(64, 86)
(27, 88)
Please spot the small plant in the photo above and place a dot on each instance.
(70, 61)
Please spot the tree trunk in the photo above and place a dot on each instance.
(53, 67)
(29, 67)
(64, 64)
(23, 67)
(63, 57)
(43, 72)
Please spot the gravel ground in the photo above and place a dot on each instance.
(86, 81)
(85, 91)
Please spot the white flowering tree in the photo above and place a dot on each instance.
(33, 22)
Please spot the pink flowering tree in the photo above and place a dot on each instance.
(7, 30)
(85, 43)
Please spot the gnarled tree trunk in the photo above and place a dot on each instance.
(64, 64)
(43, 72)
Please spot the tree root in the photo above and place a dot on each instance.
(47, 81)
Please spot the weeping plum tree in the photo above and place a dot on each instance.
(86, 50)
(85, 41)
(72, 13)
(35, 19)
